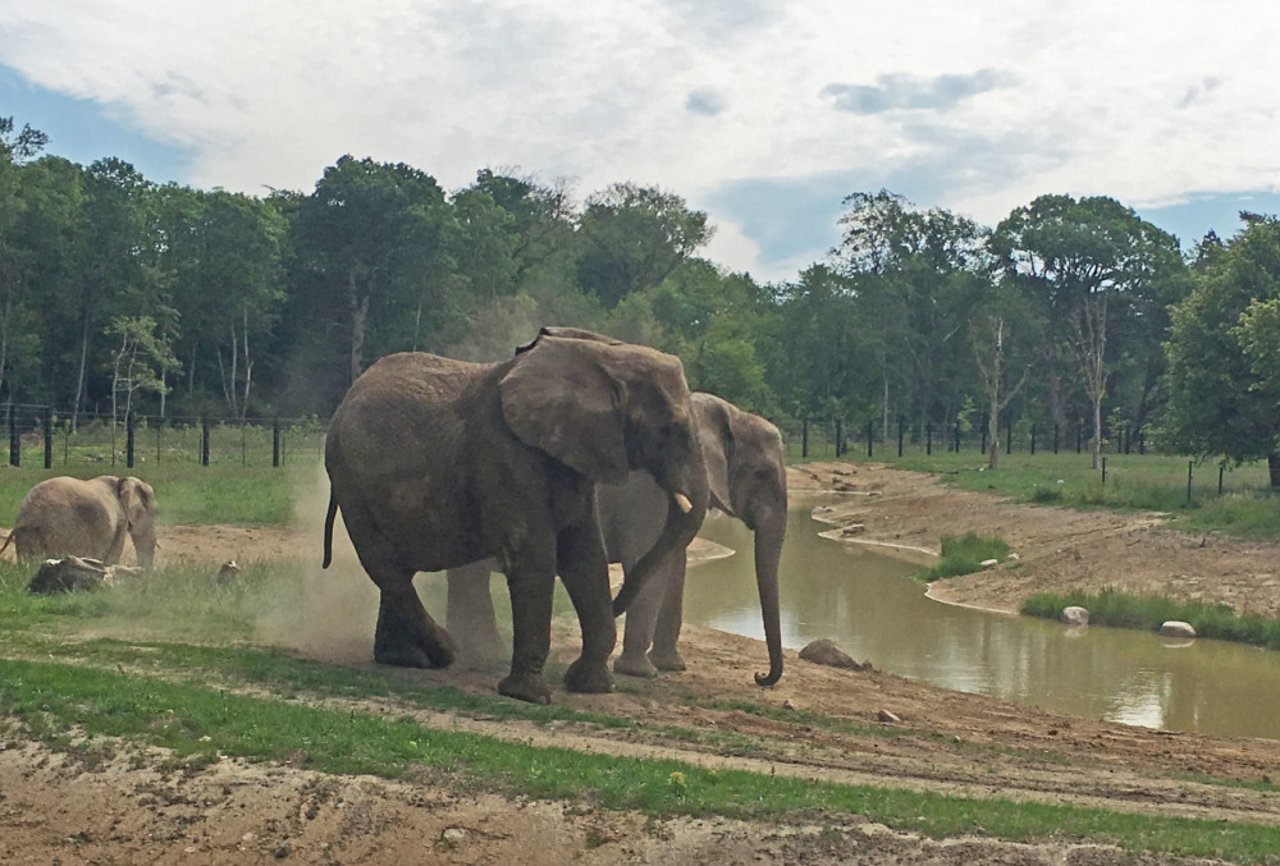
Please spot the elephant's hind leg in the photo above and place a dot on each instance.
(406, 635)
(470, 617)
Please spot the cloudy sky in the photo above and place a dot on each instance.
(765, 114)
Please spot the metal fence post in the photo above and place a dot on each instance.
(1008, 436)
(275, 441)
(1221, 468)
(15, 441)
(986, 420)
(128, 439)
(48, 437)
(804, 437)
(1190, 463)
(870, 437)
(901, 430)
(1104, 472)
(928, 438)
(839, 435)
(1055, 438)
(204, 441)
(1033, 440)
(957, 435)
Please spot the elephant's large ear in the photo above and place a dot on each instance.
(560, 398)
(137, 499)
(715, 435)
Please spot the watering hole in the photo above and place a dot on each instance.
(869, 603)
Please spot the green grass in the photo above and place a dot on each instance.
(57, 702)
(964, 554)
(1147, 612)
(1142, 482)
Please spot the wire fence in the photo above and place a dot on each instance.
(43, 436)
(834, 437)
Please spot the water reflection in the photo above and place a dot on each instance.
(868, 603)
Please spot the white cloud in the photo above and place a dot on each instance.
(1003, 100)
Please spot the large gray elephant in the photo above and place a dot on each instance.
(435, 463)
(748, 480)
(65, 516)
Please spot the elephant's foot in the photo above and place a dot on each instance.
(525, 687)
(588, 676)
(634, 665)
(667, 661)
(439, 653)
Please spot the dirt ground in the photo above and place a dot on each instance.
(54, 811)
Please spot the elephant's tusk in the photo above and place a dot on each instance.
(683, 501)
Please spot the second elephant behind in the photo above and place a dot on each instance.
(748, 480)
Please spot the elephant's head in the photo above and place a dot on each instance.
(603, 407)
(748, 480)
(138, 500)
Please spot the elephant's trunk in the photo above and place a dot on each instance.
(769, 535)
(684, 519)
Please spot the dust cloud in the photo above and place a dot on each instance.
(333, 616)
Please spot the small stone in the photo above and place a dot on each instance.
(284, 849)
(1074, 615)
(249, 837)
(853, 529)
(989, 563)
(1015, 557)
(453, 836)
(789, 704)
(1176, 628)
(888, 717)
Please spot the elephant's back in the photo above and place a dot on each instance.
(402, 403)
(411, 380)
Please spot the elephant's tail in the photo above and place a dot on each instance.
(8, 539)
(328, 530)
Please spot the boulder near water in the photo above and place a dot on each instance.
(1176, 628)
(1074, 615)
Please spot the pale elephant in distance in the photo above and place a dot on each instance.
(65, 516)
(435, 463)
(747, 479)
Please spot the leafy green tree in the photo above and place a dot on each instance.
(633, 237)
(1089, 265)
(116, 270)
(363, 227)
(1222, 383)
(139, 356)
(920, 275)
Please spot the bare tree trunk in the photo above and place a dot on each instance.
(248, 366)
(84, 359)
(359, 316)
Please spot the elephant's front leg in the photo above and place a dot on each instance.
(584, 570)
(638, 634)
(531, 581)
(666, 633)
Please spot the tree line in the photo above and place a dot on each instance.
(119, 294)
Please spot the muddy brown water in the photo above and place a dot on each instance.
(869, 603)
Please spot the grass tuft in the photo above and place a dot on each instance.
(964, 554)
